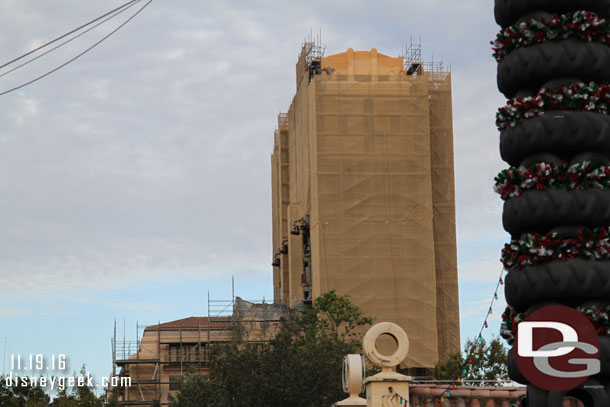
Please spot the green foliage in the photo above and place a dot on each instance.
(301, 367)
(113, 397)
(195, 392)
(81, 396)
(35, 396)
(332, 317)
(488, 363)
(64, 399)
(6, 395)
(449, 370)
(22, 395)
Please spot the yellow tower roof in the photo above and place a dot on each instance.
(363, 63)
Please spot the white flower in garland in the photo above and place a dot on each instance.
(576, 97)
(530, 249)
(580, 25)
(597, 315)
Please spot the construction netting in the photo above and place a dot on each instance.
(367, 165)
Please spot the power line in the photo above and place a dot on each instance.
(69, 40)
(79, 55)
(67, 34)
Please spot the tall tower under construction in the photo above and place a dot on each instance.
(363, 193)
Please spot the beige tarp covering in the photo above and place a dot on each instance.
(367, 152)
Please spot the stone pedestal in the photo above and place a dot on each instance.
(385, 387)
(351, 402)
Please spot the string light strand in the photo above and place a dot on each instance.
(468, 359)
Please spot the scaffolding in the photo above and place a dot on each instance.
(369, 155)
(144, 364)
(182, 346)
(314, 52)
(283, 120)
(414, 62)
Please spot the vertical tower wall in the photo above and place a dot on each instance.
(443, 206)
(371, 163)
(280, 199)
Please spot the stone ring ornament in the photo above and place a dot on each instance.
(353, 374)
(376, 357)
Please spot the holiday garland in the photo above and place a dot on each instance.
(534, 248)
(599, 317)
(580, 25)
(514, 181)
(577, 97)
(508, 327)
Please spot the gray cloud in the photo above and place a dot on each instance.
(151, 153)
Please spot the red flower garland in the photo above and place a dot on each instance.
(580, 25)
(534, 248)
(512, 182)
(576, 97)
(510, 321)
(599, 317)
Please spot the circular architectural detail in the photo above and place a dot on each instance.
(591, 393)
(571, 281)
(555, 74)
(604, 355)
(373, 354)
(353, 374)
(529, 68)
(541, 211)
(560, 132)
(513, 370)
(547, 158)
(508, 12)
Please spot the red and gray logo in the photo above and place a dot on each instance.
(557, 348)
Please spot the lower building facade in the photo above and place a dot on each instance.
(157, 362)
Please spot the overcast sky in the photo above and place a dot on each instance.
(136, 179)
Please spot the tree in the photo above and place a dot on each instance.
(300, 367)
(27, 395)
(488, 363)
(333, 317)
(194, 392)
(64, 399)
(113, 397)
(22, 395)
(81, 396)
(6, 395)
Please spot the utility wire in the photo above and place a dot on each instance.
(69, 40)
(68, 33)
(79, 55)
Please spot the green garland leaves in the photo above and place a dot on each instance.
(580, 25)
(514, 181)
(534, 248)
(508, 327)
(599, 317)
(576, 97)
